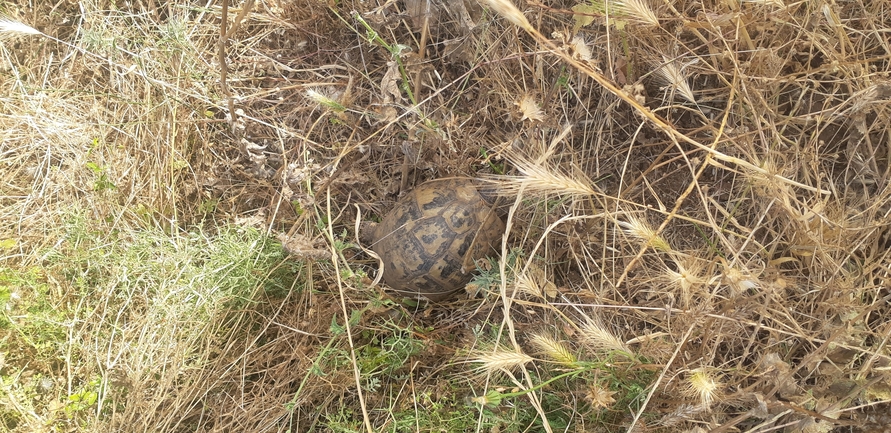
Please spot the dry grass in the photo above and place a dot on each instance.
(698, 216)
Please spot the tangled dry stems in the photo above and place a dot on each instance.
(723, 206)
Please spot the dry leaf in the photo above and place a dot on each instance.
(584, 15)
(390, 84)
(301, 247)
(580, 49)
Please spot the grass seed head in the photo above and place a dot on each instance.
(580, 48)
(324, 100)
(703, 384)
(673, 75)
(538, 179)
(641, 230)
(639, 10)
(530, 109)
(599, 338)
(10, 28)
(491, 399)
(535, 282)
(683, 413)
(630, 10)
(688, 278)
(501, 359)
(553, 349)
(738, 281)
(508, 10)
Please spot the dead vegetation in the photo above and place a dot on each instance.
(697, 208)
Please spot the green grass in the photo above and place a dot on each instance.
(97, 287)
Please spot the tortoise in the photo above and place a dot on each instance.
(430, 241)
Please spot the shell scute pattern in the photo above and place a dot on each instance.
(430, 239)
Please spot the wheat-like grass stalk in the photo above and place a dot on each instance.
(639, 229)
(673, 74)
(600, 339)
(553, 349)
(507, 9)
(500, 359)
(10, 28)
(538, 179)
(637, 10)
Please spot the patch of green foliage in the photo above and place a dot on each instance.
(29, 314)
(94, 284)
(453, 414)
(563, 382)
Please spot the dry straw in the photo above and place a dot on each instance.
(507, 9)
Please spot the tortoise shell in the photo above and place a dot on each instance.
(430, 241)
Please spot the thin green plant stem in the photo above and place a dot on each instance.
(573, 373)
(315, 365)
(395, 51)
